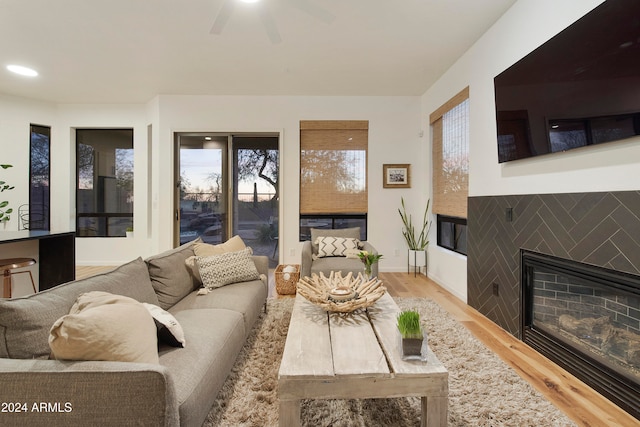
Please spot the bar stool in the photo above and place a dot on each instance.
(8, 265)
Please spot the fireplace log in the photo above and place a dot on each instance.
(598, 331)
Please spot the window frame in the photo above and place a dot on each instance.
(456, 224)
(101, 215)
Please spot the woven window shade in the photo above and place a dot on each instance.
(333, 167)
(450, 125)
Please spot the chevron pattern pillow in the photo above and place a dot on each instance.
(230, 267)
(335, 246)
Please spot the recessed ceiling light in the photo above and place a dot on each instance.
(23, 71)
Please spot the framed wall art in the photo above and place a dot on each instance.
(396, 176)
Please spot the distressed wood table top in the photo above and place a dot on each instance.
(356, 355)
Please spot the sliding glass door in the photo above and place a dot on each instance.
(227, 184)
(202, 187)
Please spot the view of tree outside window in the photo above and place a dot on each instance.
(333, 175)
(104, 196)
(36, 215)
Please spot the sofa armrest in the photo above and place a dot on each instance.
(306, 259)
(262, 263)
(62, 393)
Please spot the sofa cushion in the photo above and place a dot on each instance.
(25, 322)
(246, 298)
(99, 327)
(170, 276)
(169, 330)
(335, 246)
(232, 267)
(343, 264)
(200, 369)
(353, 232)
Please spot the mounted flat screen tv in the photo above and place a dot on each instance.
(580, 88)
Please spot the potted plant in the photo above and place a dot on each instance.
(129, 232)
(368, 259)
(5, 212)
(417, 243)
(411, 333)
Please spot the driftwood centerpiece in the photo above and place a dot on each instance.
(341, 294)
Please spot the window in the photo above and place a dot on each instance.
(36, 215)
(333, 175)
(450, 125)
(452, 233)
(104, 192)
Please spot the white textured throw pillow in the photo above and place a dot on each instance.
(335, 246)
(231, 267)
(169, 330)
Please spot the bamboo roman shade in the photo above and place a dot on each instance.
(450, 125)
(333, 166)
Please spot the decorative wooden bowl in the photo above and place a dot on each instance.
(341, 294)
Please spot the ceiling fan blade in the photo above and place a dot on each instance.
(223, 16)
(314, 10)
(269, 25)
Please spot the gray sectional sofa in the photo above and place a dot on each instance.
(180, 390)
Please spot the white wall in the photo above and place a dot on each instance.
(99, 251)
(394, 126)
(609, 167)
(16, 117)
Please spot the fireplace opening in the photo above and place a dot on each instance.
(586, 319)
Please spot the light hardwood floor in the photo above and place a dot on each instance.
(582, 404)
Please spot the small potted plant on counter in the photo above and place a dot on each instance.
(413, 336)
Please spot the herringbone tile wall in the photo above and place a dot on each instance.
(602, 229)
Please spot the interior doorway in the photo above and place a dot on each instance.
(228, 184)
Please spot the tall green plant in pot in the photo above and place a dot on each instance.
(417, 243)
(5, 211)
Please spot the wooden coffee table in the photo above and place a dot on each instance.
(355, 356)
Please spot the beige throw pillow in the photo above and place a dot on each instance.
(103, 326)
(234, 244)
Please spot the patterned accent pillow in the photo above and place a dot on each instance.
(335, 246)
(231, 267)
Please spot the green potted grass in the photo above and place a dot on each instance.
(411, 333)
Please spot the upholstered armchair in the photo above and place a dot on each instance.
(339, 254)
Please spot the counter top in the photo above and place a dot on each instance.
(16, 236)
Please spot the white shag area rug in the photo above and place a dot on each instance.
(483, 390)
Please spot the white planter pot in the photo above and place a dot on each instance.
(417, 258)
(129, 234)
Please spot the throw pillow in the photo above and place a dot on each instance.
(352, 253)
(169, 330)
(234, 244)
(335, 246)
(231, 267)
(99, 327)
(170, 277)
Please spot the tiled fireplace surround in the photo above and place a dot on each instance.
(595, 229)
(601, 229)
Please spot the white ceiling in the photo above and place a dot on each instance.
(128, 51)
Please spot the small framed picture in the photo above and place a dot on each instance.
(396, 176)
